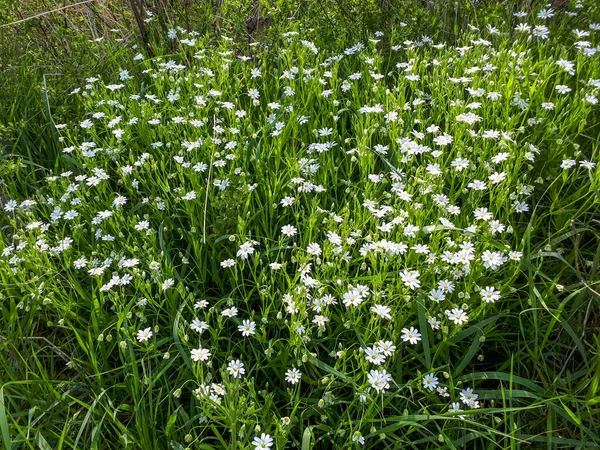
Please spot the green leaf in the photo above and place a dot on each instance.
(175, 333)
(424, 333)
(576, 419)
(502, 377)
(171, 422)
(176, 445)
(222, 238)
(306, 436)
(41, 442)
(3, 421)
(473, 329)
(327, 368)
(474, 347)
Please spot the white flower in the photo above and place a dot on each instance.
(489, 294)
(515, 255)
(293, 376)
(386, 347)
(437, 295)
(374, 356)
(198, 326)
(496, 177)
(545, 13)
(477, 185)
(289, 230)
(434, 323)
(236, 368)
(430, 381)
(313, 249)
(379, 380)
(80, 263)
(562, 89)
(469, 118)
(10, 205)
(587, 165)
(411, 335)
(410, 279)
(263, 442)
(230, 312)
(492, 260)
(144, 335)
(457, 315)
(500, 157)
(352, 298)
(443, 391)
(358, 438)
(119, 201)
(320, 320)
(245, 250)
(96, 271)
(460, 164)
(189, 196)
(247, 328)
(142, 225)
(469, 398)
(200, 354)
(287, 201)
(443, 140)
(520, 207)
(167, 284)
(201, 304)
(227, 263)
(591, 99)
(456, 408)
(382, 311)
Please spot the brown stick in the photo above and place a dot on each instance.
(137, 12)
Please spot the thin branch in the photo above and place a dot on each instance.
(57, 350)
(208, 186)
(46, 13)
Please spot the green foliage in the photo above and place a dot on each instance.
(202, 183)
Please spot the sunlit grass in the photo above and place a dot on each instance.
(314, 247)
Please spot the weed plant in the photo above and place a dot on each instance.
(392, 244)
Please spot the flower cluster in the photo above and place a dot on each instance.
(325, 228)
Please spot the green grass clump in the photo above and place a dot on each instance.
(300, 246)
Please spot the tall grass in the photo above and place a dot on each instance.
(390, 243)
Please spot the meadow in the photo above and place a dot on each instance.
(384, 243)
